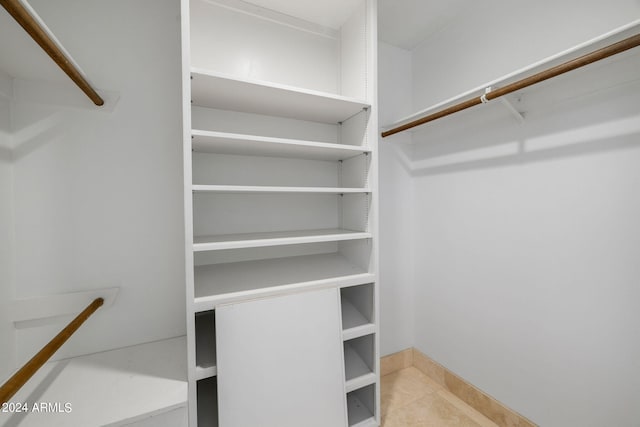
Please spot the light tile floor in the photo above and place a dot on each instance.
(411, 399)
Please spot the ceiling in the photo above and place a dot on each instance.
(402, 23)
(406, 23)
(328, 13)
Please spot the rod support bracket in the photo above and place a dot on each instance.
(483, 98)
(512, 109)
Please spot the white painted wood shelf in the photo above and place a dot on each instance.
(219, 283)
(255, 189)
(354, 323)
(254, 145)
(215, 90)
(357, 372)
(594, 44)
(277, 238)
(115, 387)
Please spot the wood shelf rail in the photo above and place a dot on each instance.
(605, 52)
(41, 36)
(20, 378)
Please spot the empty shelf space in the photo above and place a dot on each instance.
(278, 238)
(214, 90)
(357, 311)
(355, 366)
(360, 407)
(249, 189)
(359, 362)
(351, 317)
(219, 282)
(207, 402)
(205, 345)
(252, 145)
(354, 324)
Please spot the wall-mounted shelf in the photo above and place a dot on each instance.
(253, 145)
(217, 283)
(248, 189)
(277, 238)
(214, 90)
(594, 44)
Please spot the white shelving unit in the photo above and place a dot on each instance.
(280, 179)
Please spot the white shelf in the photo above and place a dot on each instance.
(214, 90)
(354, 324)
(254, 189)
(204, 373)
(253, 145)
(136, 382)
(569, 54)
(359, 414)
(357, 373)
(278, 238)
(218, 283)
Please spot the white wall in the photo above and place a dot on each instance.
(6, 331)
(527, 237)
(396, 214)
(97, 194)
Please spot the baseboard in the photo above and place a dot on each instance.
(470, 394)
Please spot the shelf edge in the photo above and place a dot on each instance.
(360, 382)
(210, 302)
(279, 241)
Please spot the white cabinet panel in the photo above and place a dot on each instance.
(280, 361)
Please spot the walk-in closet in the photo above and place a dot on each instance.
(340, 213)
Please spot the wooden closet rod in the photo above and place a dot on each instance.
(31, 26)
(25, 373)
(587, 59)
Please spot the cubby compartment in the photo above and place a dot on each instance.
(361, 407)
(230, 220)
(359, 361)
(205, 345)
(238, 132)
(207, 402)
(357, 305)
(227, 172)
(265, 45)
